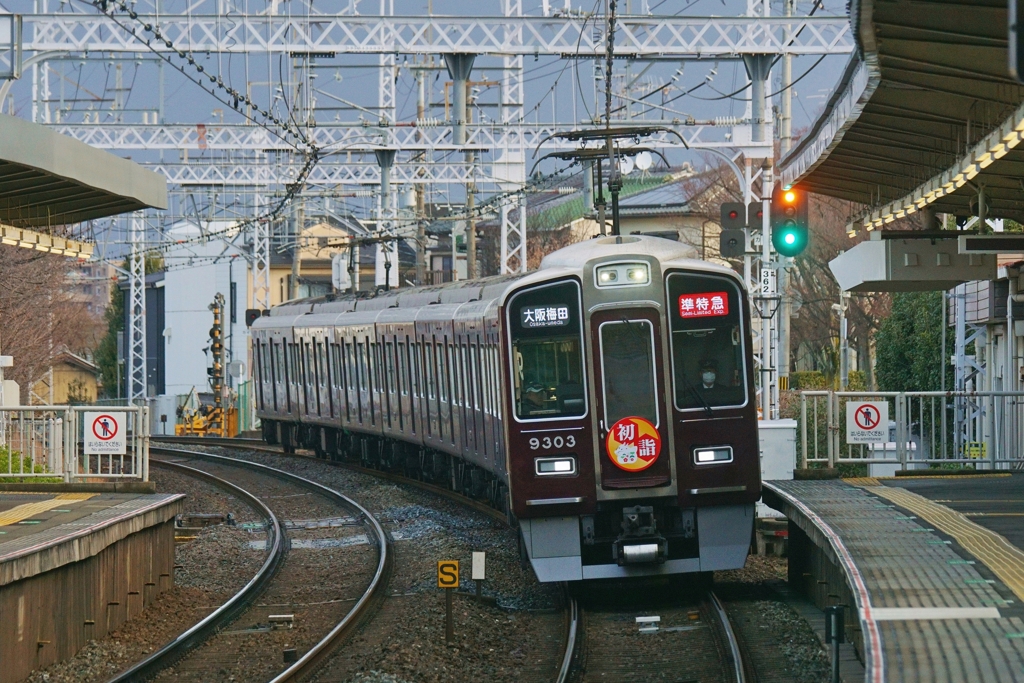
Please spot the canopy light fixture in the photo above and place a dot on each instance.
(994, 146)
(30, 239)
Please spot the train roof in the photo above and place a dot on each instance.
(442, 299)
(577, 255)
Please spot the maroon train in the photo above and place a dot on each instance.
(604, 401)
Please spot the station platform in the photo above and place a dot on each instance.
(932, 565)
(76, 566)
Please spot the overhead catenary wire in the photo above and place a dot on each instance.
(282, 130)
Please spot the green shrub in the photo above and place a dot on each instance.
(857, 381)
(25, 466)
(808, 380)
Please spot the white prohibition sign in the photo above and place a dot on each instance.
(867, 421)
(105, 433)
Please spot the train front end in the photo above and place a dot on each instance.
(632, 430)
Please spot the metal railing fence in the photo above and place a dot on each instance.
(48, 443)
(926, 428)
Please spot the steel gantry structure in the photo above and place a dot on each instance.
(487, 156)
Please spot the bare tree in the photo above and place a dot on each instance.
(815, 331)
(39, 316)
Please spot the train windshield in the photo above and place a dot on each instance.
(706, 323)
(547, 352)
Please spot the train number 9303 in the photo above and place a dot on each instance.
(552, 442)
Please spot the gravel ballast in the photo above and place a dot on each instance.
(209, 570)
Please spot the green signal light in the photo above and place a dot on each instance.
(790, 239)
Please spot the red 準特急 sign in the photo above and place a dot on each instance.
(703, 305)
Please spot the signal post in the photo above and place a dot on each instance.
(781, 216)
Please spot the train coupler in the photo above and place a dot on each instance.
(639, 542)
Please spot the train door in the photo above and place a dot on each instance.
(633, 423)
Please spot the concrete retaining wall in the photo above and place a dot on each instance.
(50, 616)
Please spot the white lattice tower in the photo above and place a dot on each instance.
(260, 258)
(510, 164)
(137, 310)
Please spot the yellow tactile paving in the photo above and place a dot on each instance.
(993, 514)
(1004, 559)
(863, 481)
(21, 512)
(994, 475)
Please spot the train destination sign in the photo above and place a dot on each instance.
(633, 444)
(544, 316)
(867, 421)
(703, 305)
(105, 433)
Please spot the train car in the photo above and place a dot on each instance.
(605, 401)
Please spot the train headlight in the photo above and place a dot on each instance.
(622, 275)
(712, 455)
(558, 465)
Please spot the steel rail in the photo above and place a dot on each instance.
(736, 654)
(315, 655)
(261, 446)
(197, 634)
(571, 641)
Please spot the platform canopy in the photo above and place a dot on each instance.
(925, 115)
(48, 179)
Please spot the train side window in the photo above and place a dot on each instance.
(464, 392)
(472, 377)
(484, 378)
(546, 335)
(478, 380)
(496, 380)
(414, 363)
(428, 367)
(361, 366)
(450, 390)
(456, 370)
(324, 364)
(442, 375)
(403, 370)
(389, 366)
(340, 371)
(708, 357)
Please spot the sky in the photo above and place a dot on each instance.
(135, 88)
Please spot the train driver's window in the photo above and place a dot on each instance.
(547, 352)
(706, 323)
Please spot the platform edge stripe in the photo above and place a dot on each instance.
(934, 613)
(1004, 559)
(875, 666)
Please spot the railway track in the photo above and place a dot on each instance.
(632, 637)
(239, 638)
(568, 652)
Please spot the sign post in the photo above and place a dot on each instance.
(448, 579)
(479, 572)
